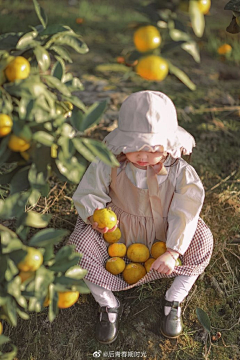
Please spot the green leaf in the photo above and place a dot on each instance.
(43, 138)
(58, 70)
(9, 355)
(26, 40)
(9, 41)
(20, 181)
(72, 41)
(203, 319)
(7, 177)
(101, 151)
(40, 13)
(42, 57)
(54, 83)
(197, 18)
(60, 50)
(13, 206)
(53, 308)
(67, 146)
(3, 269)
(53, 29)
(67, 281)
(43, 279)
(38, 181)
(47, 237)
(10, 310)
(71, 168)
(76, 119)
(81, 287)
(83, 150)
(76, 272)
(3, 340)
(93, 115)
(34, 197)
(30, 87)
(181, 76)
(77, 102)
(36, 220)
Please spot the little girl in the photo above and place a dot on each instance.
(157, 196)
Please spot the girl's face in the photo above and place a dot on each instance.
(141, 159)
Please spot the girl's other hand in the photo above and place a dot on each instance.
(164, 264)
(101, 230)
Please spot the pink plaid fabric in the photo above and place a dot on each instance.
(92, 245)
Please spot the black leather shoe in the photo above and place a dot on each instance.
(106, 331)
(172, 325)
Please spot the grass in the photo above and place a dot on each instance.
(216, 159)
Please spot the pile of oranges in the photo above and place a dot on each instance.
(139, 255)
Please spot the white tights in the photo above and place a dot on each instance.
(177, 292)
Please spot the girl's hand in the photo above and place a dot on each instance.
(165, 263)
(101, 230)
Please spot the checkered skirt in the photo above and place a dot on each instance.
(92, 245)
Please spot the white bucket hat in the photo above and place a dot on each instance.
(148, 119)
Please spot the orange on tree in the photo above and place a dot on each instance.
(204, 6)
(112, 236)
(18, 68)
(1, 328)
(148, 264)
(133, 272)
(105, 218)
(18, 144)
(117, 250)
(115, 265)
(138, 252)
(5, 125)
(147, 38)
(152, 67)
(158, 248)
(32, 261)
(224, 49)
(67, 299)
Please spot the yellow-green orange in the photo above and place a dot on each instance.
(152, 67)
(147, 38)
(1, 328)
(66, 299)
(105, 218)
(204, 6)
(115, 265)
(138, 252)
(133, 272)
(117, 250)
(32, 261)
(158, 248)
(24, 275)
(18, 144)
(18, 68)
(5, 125)
(148, 264)
(224, 49)
(112, 236)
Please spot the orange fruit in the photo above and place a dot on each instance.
(5, 125)
(117, 250)
(46, 302)
(178, 262)
(152, 67)
(24, 275)
(32, 261)
(133, 273)
(67, 299)
(1, 328)
(138, 252)
(18, 144)
(147, 38)
(18, 68)
(148, 264)
(105, 218)
(204, 6)
(112, 236)
(115, 265)
(224, 49)
(158, 248)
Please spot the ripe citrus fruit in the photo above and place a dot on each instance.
(115, 265)
(105, 218)
(152, 67)
(158, 248)
(32, 261)
(113, 236)
(46, 302)
(204, 6)
(138, 252)
(24, 275)
(148, 264)
(117, 250)
(18, 144)
(5, 125)
(1, 328)
(18, 68)
(224, 49)
(146, 38)
(67, 299)
(133, 273)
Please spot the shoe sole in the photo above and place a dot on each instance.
(169, 337)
